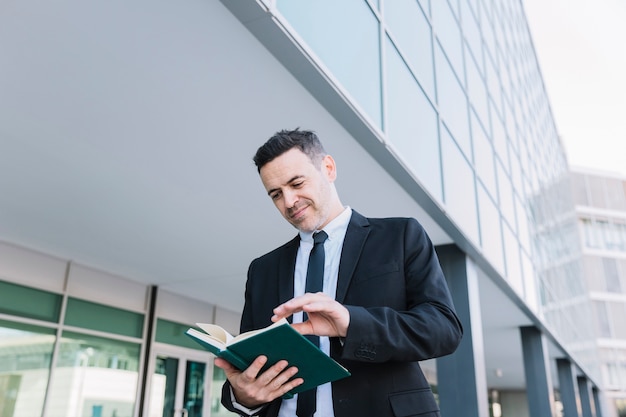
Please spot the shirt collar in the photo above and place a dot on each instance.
(338, 225)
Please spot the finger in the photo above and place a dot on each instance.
(251, 373)
(304, 327)
(296, 304)
(224, 364)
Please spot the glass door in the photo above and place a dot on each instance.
(178, 383)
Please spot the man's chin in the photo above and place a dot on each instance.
(302, 226)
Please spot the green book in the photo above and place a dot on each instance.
(277, 341)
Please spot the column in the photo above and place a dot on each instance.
(596, 400)
(462, 378)
(537, 371)
(586, 399)
(568, 388)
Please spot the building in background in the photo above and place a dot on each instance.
(600, 200)
(130, 209)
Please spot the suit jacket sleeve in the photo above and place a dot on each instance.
(399, 303)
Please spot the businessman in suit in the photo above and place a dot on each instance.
(384, 305)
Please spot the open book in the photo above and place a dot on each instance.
(277, 341)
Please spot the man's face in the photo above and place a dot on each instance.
(301, 191)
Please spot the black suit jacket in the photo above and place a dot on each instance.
(401, 312)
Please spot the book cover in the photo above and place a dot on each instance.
(278, 341)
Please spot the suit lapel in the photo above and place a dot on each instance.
(287, 266)
(357, 232)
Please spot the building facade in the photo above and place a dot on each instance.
(126, 128)
(600, 201)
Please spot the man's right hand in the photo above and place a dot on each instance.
(253, 389)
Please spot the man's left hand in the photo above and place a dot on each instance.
(326, 317)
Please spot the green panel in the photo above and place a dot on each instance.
(29, 302)
(174, 334)
(26, 327)
(95, 316)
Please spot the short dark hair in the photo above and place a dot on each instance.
(284, 140)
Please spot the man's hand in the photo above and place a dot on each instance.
(252, 389)
(326, 317)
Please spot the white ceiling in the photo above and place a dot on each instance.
(126, 136)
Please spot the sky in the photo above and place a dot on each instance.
(581, 47)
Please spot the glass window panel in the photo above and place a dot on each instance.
(513, 263)
(412, 124)
(603, 328)
(471, 31)
(499, 142)
(487, 31)
(595, 186)
(611, 275)
(615, 194)
(618, 312)
(217, 409)
(593, 268)
(530, 282)
(490, 229)
(477, 91)
(25, 353)
(506, 195)
(579, 190)
(411, 31)
(459, 187)
(88, 315)
(348, 45)
(174, 334)
(449, 34)
(493, 86)
(163, 386)
(453, 104)
(87, 367)
(193, 398)
(523, 230)
(484, 161)
(29, 302)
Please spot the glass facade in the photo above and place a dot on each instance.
(600, 201)
(63, 356)
(464, 108)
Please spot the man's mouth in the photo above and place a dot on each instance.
(297, 212)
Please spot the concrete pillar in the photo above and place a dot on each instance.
(461, 376)
(568, 388)
(537, 371)
(597, 401)
(586, 397)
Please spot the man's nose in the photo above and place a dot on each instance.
(291, 198)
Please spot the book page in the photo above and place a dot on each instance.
(216, 332)
(251, 333)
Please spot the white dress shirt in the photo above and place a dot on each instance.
(336, 231)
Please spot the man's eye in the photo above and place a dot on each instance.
(275, 196)
(297, 184)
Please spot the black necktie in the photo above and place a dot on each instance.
(314, 283)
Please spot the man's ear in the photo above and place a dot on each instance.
(329, 168)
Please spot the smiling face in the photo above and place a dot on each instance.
(303, 191)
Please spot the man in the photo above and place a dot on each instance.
(384, 306)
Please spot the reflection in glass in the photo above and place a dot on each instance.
(217, 409)
(93, 375)
(452, 103)
(459, 187)
(25, 354)
(348, 45)
(193, 400)
(411, 32)
(163, 388)
(412, 123)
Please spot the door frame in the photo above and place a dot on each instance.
(184, 355)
